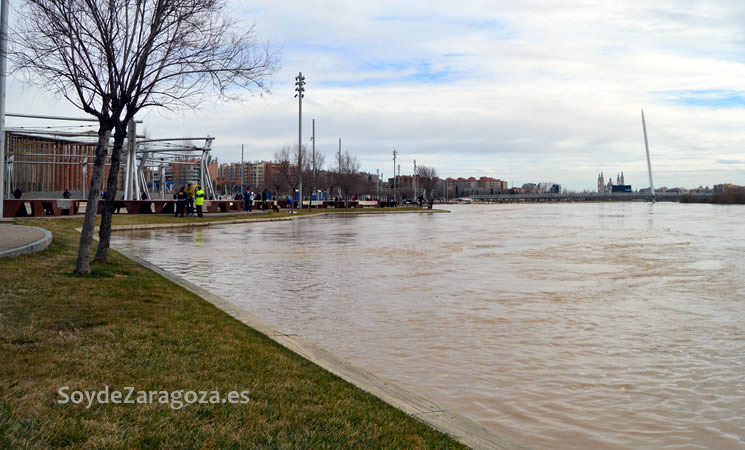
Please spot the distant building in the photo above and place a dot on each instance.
(472, 186)
(549, 187)
(725, 187)
(604, 187)
(186, 170)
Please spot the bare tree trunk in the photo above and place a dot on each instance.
(104, 233)
(83, 265)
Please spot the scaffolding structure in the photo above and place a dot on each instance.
(50, 159)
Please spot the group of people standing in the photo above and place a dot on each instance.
(187, 197)
(250, 196)
(192, 195)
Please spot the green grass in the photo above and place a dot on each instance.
(127, 326)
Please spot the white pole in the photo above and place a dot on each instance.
(414, 182)
(377, 184)
(313, 182)
(242, 170)
(300, 93)
(340, 174)
(134, 191)
(130, 171)
(3, 77)
(394, 175)
(202, 168)
(649, 163)
(84, 182)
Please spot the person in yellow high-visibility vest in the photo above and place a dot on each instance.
(199, 200)
(190, 199)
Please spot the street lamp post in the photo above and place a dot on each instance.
(3, 75)
(380, 180)
(377, 184)
(398, 177)
(300, 93)
(395, 153)
(338, 189)
(414, 180)
(313, 161)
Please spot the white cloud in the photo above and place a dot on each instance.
(540, 90)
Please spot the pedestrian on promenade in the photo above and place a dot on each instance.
(247, 200)
(250, 200)
(181, 202)
(263, 200)
(199, 200)
(190, 200)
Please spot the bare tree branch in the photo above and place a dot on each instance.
(111, 58)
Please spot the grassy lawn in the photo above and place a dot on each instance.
(127, 326)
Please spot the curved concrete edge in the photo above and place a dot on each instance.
(155, 226)
(193, 224)
(32, 247)
(460, 428)
(363, 213)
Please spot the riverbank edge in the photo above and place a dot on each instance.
(458, 427)
(125, 325)
(154, 226)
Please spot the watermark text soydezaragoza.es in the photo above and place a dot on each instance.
(129, 395)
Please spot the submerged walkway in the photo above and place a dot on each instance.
(18, 240)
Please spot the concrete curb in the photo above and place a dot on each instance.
(457, 426)
(155, 226)
(270, 219)
(194, 224)
(32, 247)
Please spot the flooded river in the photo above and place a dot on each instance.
(563, 326)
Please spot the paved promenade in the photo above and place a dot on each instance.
(18, 240)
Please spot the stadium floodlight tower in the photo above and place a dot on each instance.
(300, 93)
(649, 164)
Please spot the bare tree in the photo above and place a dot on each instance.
(287, 165)
(272, 178)
(311, 169)
(346, 178)
(427, 179)
(112, 58)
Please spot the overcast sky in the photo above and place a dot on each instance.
(525, 91)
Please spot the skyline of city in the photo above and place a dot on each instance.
(517, 93)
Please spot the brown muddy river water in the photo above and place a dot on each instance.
(563, 326)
